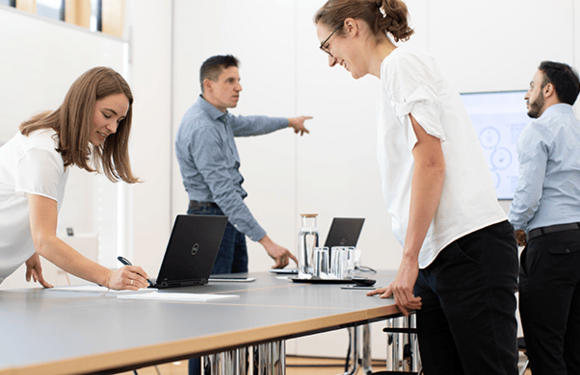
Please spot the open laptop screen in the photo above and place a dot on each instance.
(344, 232)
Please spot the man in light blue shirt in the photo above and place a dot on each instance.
(545, 212)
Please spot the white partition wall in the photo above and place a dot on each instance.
(150, 31)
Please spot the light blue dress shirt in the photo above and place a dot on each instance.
(209, 160)
(549, 181)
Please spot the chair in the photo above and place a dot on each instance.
(402, 347)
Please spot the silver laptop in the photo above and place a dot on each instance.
(191, 251)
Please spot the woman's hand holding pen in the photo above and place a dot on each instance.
(128, 277)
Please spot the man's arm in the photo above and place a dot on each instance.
(244, 126)
(533, 157)
(206, 149)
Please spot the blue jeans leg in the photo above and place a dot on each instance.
(467, 322)
(233, 254)
(194, 366)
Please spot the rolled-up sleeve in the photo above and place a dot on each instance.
(413, 92)
(214, 166)
(533, 152)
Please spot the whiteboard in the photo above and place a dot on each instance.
(40, 59)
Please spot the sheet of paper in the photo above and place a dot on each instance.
(184, 297)
(95, 289)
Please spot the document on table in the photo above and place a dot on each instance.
(186, 297)
(95, 289)
(147, 294)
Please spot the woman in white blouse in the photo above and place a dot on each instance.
(459, 264)
(90, 130)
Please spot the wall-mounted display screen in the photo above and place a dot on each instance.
(498, 119)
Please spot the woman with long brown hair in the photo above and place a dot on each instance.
(459, 263)
(90, 130)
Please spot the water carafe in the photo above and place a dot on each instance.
(307, 241)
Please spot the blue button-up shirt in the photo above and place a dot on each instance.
(209, 160)
(549, 182)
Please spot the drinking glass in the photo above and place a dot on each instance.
(321, 262)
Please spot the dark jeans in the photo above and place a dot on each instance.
(550, 303)
(467, 322)
(232, 258)
(233, 253)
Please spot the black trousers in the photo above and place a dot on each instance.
(550, 303)
(467, 322)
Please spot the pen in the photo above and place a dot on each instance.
(127, 263)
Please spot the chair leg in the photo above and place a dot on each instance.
(524, 367)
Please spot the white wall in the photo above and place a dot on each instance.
(149, 30)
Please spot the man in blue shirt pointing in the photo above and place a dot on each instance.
(545, 212)
(209, 162)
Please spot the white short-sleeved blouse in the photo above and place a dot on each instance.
(412, 83)
(28, 165)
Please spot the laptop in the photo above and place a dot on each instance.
(191, 251)
(342, 232)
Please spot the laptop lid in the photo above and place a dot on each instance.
(344, 232)
(191, 250)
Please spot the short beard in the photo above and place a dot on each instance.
(536, 106)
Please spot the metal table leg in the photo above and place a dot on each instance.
(353, 351)
(270, 358)
(366, 350)
(233, 362)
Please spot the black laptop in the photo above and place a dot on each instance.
(191, 251)
(344, 232)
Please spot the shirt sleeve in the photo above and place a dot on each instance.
(410, 84)
(38, 172)
(533, 153)
(213, 166)
(245, 126)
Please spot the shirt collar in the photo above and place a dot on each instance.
(215, 113)
(558, 108)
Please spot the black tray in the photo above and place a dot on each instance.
(316, 280)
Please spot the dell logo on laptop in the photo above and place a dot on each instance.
(195, 249)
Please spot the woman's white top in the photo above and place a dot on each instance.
(412, 83)
(28, 165)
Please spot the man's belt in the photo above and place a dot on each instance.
(197, 205)
(552, 229)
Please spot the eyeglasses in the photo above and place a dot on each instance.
(323, 44)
